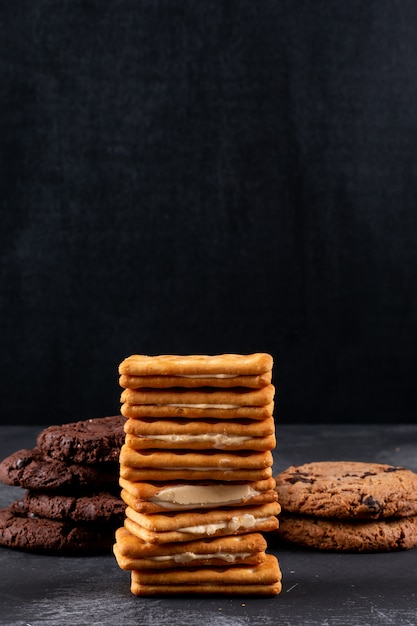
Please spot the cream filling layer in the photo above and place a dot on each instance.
(189, 557)
(215, 439)
(202, 469)
(203, 406)
(201, 495)
(239, 521)
(207, 375)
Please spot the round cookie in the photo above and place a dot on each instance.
(348, 490)
(95, 440)
(29, 470)
(349, 536)
(98, 507)
(23, 531)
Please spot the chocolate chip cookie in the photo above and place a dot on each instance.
(348, 490)
(384, 535)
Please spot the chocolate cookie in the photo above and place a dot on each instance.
(30, 470)
(23, 531)
(349, 536)
(89, 441)
(347, 490)
(98, 507)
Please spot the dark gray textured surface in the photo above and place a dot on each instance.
(318, 588)
(184, 176)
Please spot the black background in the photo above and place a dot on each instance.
(203, 177)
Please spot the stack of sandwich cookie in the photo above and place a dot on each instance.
(196, 475)
(72, 503)
(348, 506)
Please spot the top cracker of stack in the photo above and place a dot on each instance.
(196, 474)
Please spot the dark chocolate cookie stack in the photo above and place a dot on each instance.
(348, 506)
(71, 504)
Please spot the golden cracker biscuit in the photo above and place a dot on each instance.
(189, 475)
(206, 590)
(154, 426)
(265, 573)
(133, 554)
(196, 364)
(234, 518)
(201, 442)
(154, 498)
(132, 546)
(149, 507)
(262, 579)
(171, 536)
(178, 536)
(190, 412)
(206, 459)
(151, 490)
(204, 398)
(201, 434)
(186, 559)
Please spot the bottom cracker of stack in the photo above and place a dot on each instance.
(263, 579)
